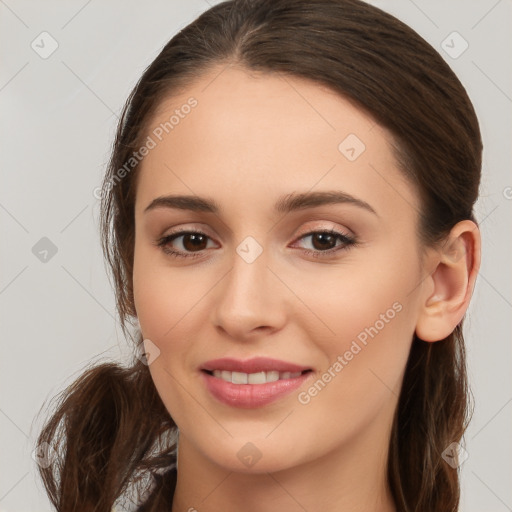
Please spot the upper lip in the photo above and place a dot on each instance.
(254, 365)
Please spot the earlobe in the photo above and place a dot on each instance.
(448, 289)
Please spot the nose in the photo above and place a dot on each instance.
(249, 300)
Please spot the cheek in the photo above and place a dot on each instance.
(366, 319)
(344, 302)
(163, 295)
(365, 358)
(151, 302)
(163, 299)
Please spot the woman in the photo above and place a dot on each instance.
(288, 216)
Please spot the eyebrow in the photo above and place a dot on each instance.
(285, 204)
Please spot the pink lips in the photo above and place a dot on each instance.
(249, 396)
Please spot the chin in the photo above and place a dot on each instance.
(242, 456)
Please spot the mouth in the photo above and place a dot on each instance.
(248, 390)
(262, 377)
(254, 382)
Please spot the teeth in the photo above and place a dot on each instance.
(254, 378)
(239, 378)
(272, 376)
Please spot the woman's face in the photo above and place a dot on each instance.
(262, 280)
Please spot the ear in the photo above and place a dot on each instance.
(448, 288)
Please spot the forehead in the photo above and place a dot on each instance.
(250, 137)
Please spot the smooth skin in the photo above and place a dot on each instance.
(251, 139)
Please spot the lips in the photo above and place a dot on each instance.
(252, 383)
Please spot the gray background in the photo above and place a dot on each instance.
(57, 124)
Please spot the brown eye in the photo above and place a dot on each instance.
(324, 242)
(194, 241)
(192, 244)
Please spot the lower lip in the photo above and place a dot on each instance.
(249, 396)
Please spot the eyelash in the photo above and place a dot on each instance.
(347, 243)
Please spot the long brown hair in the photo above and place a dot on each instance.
(110, 426)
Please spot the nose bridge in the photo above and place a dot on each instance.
(248, 296)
